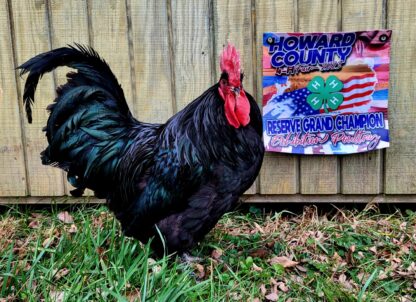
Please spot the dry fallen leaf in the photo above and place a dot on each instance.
(342, 279)
(34, 224)
(57, 296)
(349, 256)
(284, 261)
(61, 273)
(200, 270)
(152, 264)
(133, 295)
(48, 241)
(236, 296)
(337, 257)
(263, 289)
(272, 297)
(297, 279)
(65, 217)
(406, 298)
(256, 268)
(382, 275)
(259, 253)
(9, 298)
(282, 286)
(405, 248)
(259, 228)
(363, 277)
(216, 254)
(73, 229)
(100, 251)
(412, 268)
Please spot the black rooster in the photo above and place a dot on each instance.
(178, 178)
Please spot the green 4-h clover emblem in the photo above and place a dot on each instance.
(325, 94)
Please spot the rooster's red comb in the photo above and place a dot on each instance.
(230, 61)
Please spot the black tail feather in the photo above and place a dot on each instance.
(92, 70)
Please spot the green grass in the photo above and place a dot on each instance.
(254, 256)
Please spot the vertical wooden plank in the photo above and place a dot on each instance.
(319, 174)
(12, 162)
(279, 174)
(400, 166)
(149, 20)
(191, 50)
(361, 173)
(69, 24)
(233, 22)
(30, 21)
(109, 37)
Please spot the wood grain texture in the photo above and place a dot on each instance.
(362, 173)
(12, 161)
(191, 50)
(279, 174)
(233, 23)
(69, 24)
(109, 37)
(400, 165)
(335, 198)
(318, 174)
(30, 21)
(152, 66)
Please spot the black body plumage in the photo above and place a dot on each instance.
(181, 176)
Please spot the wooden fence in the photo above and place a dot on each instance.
(165, 53)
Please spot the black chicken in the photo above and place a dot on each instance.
(178, 178)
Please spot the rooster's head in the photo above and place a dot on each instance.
(237, 106)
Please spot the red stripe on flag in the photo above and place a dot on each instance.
(363, 76)
(352, 105)
(357, 86)
(358, 95)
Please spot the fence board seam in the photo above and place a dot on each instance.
(171, 56)
(54, 75)
(131, 58)
(254, 67)
(382, 180)
(297, 157)
(211, 38)
(19, 93)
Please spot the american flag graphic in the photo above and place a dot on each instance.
(357, 93)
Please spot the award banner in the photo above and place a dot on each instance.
(326, 93)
